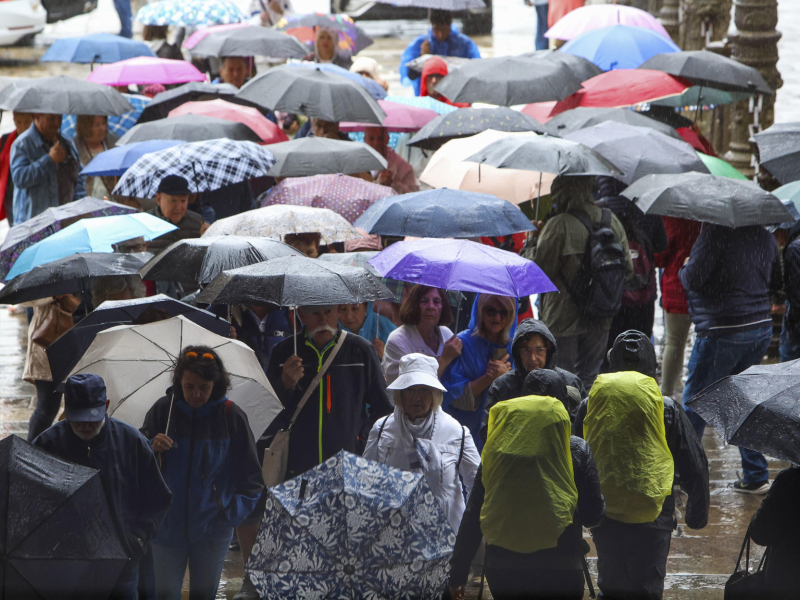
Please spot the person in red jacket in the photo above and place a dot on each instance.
(434, 70)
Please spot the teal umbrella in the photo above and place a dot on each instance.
(717, 166)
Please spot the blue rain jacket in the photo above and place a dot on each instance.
(457, 44)
(374, 322)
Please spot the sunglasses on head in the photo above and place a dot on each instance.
(204, 356)
(491, 311)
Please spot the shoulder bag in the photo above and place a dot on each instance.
(744, 585)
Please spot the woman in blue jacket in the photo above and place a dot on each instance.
(485, 356)
(208, 459)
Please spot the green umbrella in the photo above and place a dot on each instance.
(717, 166)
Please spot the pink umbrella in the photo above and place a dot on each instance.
(145, 70)
(222, 109)
(399, 117)
(348, 196)
(596, 16)
(201, 33)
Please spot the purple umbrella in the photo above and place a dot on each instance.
(146, 70)
(463, 266)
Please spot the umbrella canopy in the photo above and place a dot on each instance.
(207, 166)
(443, 214)
(314, 93)
(469, 121)
(268, 131)
(701, 96)
(582, 68)
(249, 41)
(64, 353)
(279, 220)
(98, 48)
(70, 275)
(352, 38)
(717, 166)
(201, 260)
(508, 80)
(707, 198)
(588, 18)
(119, 126)
(62, 95)
(619, 46)
(49, 222)
(360, 258)
(89, 235)
(415, 66)
(351, 498)
(137, 363)
(464, 266)
(68, 546)
(545, 153)
(399, 117)
(190, 13)
(639, 151)
(373, 87)
(115, 161)
(317, 156)
(779, 151)
(709, 69)
(448, 168)
(579, 118)
(757, 409)
(448, 5)
(203, 32)
(144, 70)
(347, 196)
(163, 103)
(440, 108)
(294, 281)
(191, 128)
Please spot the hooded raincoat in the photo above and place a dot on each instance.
(374, 326)
(457, 44)
(436, 66)
(476, 352)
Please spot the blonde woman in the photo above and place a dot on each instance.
(485, 356)
(326, 48)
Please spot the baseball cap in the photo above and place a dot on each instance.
(85, 398)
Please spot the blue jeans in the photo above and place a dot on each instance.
(716, 357)
(541, 42)
(124, 11)
(205, 558)
(128, 581)
(790, 347)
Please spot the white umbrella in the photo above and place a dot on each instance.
(137, 361)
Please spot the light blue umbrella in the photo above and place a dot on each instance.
(114, 162)
(423, 102)
(90, 235)
(190, 13)
(100, 48)
(619, 46)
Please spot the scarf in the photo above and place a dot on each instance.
(416, 437)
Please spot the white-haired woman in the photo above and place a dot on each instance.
(420, 436)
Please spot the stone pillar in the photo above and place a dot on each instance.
(669, 15)
(703, 22)
(754, 43)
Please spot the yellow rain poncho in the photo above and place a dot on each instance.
(624, 427)
(527, 472)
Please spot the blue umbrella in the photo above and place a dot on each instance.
(190, 13)
(443, 213)
(119, 126)
(114, 162)
(373, 87)
(619, 46)
(352, 528)
(89, 235)
(95, 48)
(463, 266)
(423, 102)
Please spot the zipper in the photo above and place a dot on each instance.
(328, 397)
(188, 483)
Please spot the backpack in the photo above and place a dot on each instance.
(600, 283)
(639, 291)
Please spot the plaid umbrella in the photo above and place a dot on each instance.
(119, 126)
(351, 37)
(207, 165)
(190, 13)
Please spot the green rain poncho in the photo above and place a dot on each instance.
(624, 427)
(527, 472)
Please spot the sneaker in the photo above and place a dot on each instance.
(248, 590)
(757, 489)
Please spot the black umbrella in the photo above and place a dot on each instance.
(779, 151)
(469, 121)
(759, 409)
(200, 260)
(64, 96)
(545, 153)
(708, 198)
(579, 118)
(709, 69)
(509, 80)
(64, 353)
(577, 65)
(189, 128)
(322, 156)
(70, 275)
(57, 536)
(314, 93)
(250, 41)
(196, 91)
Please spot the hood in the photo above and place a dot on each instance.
(473, 320)
(433, 66)
(633, 351)
(545, 382)
(526, 328)
(571, 192)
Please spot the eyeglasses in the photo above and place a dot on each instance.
(420, 392)
(204, 356)
(491, 311)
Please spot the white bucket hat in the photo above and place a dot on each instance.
(417, 369)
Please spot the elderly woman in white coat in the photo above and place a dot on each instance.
(420, 436)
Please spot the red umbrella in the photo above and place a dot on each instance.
(268, 131)
(399, 117)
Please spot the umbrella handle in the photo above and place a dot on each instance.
(294, 326)
(169, 414)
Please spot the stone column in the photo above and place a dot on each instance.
(702, 22)
(669, 15)
(754, 43)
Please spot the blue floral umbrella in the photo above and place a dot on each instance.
(190, 13)
(352, 528)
